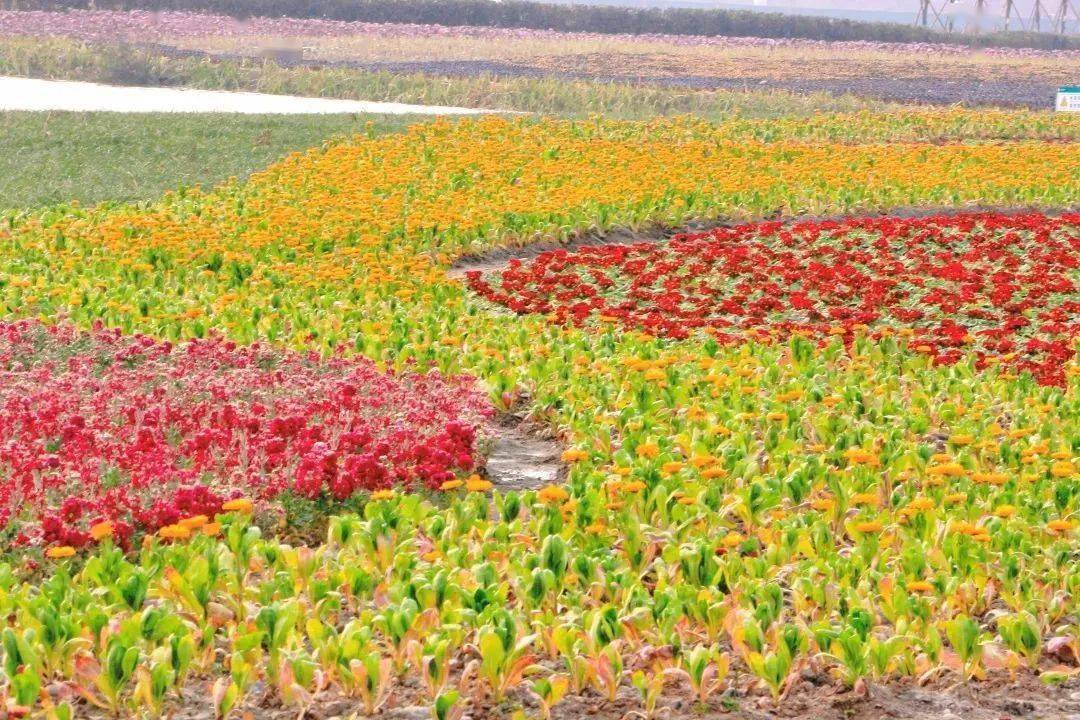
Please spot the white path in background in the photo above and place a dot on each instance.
(28, 94)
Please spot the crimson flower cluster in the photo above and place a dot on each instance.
(996, 285)
(100, 426)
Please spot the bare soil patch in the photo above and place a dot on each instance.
(523, 455)
(815, 698)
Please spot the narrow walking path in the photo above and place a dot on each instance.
(30, 94)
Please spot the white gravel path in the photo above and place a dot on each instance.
(28, 94)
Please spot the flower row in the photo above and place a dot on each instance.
(996, 286)
(98, 427)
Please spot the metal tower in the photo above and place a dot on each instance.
(1061, 17)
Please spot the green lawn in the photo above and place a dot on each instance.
(51, 157)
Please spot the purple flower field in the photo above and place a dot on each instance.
(141, 26)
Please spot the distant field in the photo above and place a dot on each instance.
(91, 157)
(574, 17)
(541, 91)
(497, 67)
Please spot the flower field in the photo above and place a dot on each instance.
(802, 457)
(164, 26)
(998, 286)
(139, 434)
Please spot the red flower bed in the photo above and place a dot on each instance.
(993, 284)
(99, 426)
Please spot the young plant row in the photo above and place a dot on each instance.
(509, 600)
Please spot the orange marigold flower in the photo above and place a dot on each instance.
(242, 505)
(648, 450)
(921, 503)
(101, 530)
(701, 461)
(919, 586)
(452, 484)
(732, 539)
(174, 532)
(195, 522)
(952, 469)
(858, 456)
(1062, 469)
(866, 498)
(553, 494)
(59, 552)
(475, 483)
